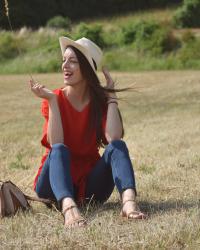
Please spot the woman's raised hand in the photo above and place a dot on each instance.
(40, 90)
(109, 83)
(109, 80)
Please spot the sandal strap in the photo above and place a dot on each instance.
(73, 220)
(68, 208)
(128, 201)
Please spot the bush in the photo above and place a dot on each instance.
(52, 65)
(10, 46)
(188, 36)
(138, 31)
(112, 37)
(149, 36)
(158, 42)
(59, 22)
(128, 34)
(92, 32)
(187, 16)
(189, 53)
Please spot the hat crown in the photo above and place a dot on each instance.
(88, 48)
(93, 50)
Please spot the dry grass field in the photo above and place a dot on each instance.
(162, 125)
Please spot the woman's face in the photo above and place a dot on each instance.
(71, 68)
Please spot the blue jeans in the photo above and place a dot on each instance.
(113, 168)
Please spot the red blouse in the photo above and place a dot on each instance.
(84, 153)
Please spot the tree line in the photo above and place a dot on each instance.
(35, 13)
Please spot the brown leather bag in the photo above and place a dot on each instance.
(12, 199)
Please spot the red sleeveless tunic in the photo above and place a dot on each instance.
(84, 153)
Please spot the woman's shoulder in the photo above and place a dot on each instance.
(57, 91)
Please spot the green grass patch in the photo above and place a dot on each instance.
(140, 41)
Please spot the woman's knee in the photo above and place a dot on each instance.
(118, 144)
(59, 146)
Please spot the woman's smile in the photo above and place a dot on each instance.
(71, 68)
(67, 75)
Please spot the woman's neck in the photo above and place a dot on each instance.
(77, 92)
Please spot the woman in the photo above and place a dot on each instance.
(79, 118)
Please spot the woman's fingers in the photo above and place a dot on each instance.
(106, 73)
(31, 82)
(108, 77)
(41, 86)
(40, 91)
(36, 88)
(35, 85)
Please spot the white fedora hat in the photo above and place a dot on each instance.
(88, 48)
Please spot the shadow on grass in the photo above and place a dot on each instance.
(150, 208)
(93, 209)
(167, 206)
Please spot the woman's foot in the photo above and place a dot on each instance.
(72, 215)
(130, 209)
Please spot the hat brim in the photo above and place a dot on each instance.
(65, 42)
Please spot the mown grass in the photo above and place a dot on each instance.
(162, 133)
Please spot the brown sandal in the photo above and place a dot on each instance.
(75, 221)
(134, 214)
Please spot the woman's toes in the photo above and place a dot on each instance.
(137, 215)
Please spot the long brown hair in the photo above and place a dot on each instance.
(97, 94)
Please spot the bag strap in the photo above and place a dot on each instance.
(46, 201)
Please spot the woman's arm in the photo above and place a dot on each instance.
(55, 129)
(113, 123)
(114, 127)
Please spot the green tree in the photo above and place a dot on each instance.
(35, 13)
(188, 15)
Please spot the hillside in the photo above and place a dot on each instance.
(163, 47)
